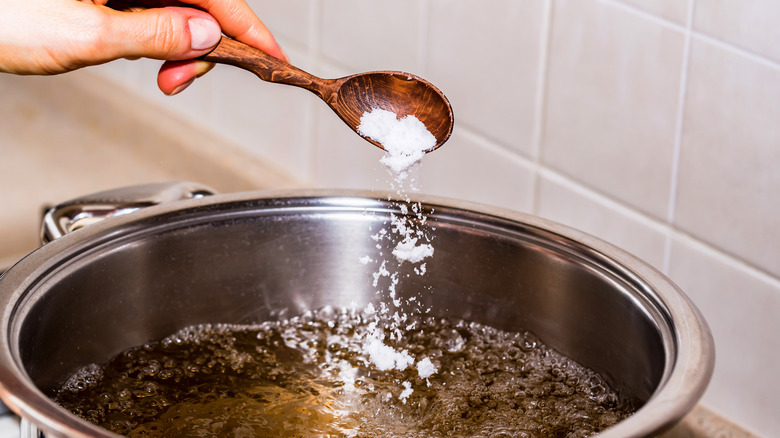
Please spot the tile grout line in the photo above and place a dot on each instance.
(422, 42)
(730, 259)
(659, 225)
(477, 131)
(314, 52)
(678, 132)
(688, 28)
(495, 147)
(691, 35)
(736, 50)
(646, 15)
(539, 104)
(603, 199)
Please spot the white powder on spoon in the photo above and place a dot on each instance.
(404, 140)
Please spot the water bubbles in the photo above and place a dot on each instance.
(453, 341)
(310, 376)
(84, 379)
(528, 342)
(147, 389)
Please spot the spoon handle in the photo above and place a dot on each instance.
(265, 66)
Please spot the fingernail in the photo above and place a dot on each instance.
(204, 33)
(202, 67)
(182, 87)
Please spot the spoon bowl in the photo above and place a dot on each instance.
(397, 92)
(351, 96)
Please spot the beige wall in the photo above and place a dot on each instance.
(652, 124)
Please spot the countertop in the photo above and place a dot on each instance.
(76, 134)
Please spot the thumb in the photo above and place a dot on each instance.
(171, 33)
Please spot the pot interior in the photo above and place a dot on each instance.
(114, 287)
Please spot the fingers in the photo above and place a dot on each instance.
(175, 34)
(171, 33)
(175, 76)
(239, 21)
(54, 36)
(236, 20)
(181, 33)
(235, 17)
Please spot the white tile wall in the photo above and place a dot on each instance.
(475, 169)
(270, 120)
(653, 125)
(749, 24)
(290, 20)
(491, 77)
(343, 160)
(673, 10)
(374, 35)
(563, 200)
(612, 93)
(9, 427)
(742, 307)
(730, 155)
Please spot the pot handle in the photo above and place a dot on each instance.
(80, 212)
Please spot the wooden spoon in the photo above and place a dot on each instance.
(351, 96)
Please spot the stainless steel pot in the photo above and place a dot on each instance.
(247, 257)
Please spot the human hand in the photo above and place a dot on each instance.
(55, 36)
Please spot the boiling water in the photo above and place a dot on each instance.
(309, 376)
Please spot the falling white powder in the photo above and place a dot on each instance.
(347, 374)
(386, 358)
(406, 392)
(381, 272)
(404, 140)
(408, 250)
(426, 368)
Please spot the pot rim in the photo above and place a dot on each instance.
(687, 370)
